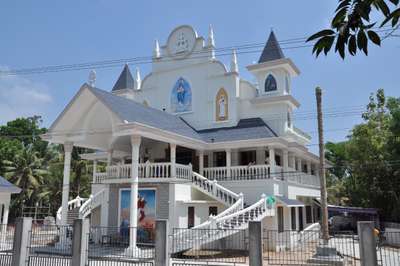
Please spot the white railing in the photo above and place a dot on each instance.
(215, 190)
(92, 202)
(241, 172)
(72, 204)
(146, 170)
(222, 225)
(255, 172)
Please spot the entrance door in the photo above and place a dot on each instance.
(190, 217)
(301, 223)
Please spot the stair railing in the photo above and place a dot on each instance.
(72, 204)
(217, 191)
(88, 205)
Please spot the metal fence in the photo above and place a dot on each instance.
(194, 246)
(50, 245)
(110, 246)
(388, 248)
(301, 248)
(6, 244)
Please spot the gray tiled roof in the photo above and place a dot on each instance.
(6, 186)
(272, 50)
(125, 80)
(252, 128)
(131, 111)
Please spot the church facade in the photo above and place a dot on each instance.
(193, 142)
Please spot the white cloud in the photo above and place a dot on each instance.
(21, 97)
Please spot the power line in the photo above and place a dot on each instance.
(140, 60)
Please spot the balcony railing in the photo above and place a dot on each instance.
(146, 171)
(257, 172)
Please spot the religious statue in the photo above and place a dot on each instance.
(180, 93)
(221, 103)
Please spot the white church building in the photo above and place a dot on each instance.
(194, 142)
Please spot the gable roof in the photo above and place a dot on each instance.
(272, 50)
(131, 111)
(6, 186)
(125, 80)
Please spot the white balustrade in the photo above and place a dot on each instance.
(92, 202)
(255, 172)
(72, 204)
(146, 170)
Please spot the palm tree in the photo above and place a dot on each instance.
(27, 172)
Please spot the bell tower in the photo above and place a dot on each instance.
(274, 71)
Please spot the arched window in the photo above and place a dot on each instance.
(270, 83)
(221, 105)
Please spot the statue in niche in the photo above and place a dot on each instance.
(181, 96)
(221, 105)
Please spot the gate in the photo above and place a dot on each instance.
(109, 246)
(388, 248)
(6, 244)
(50, 245)
(189, 247)
(300, 248)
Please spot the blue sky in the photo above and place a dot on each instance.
(41, 33)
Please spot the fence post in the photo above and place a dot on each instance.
(255, 244)
(161, 252)
(21, 241)
(79, 242)
(367, 243)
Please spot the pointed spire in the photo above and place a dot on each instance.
(272, 50)
(234, 65)
(210, 40)
(138, 79)
(125, 80)
(156, 52)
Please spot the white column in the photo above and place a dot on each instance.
(228, 162)
(6, 209)
(272, 159)
(173, 159)
(135, 142)
(309, 167)
(65, 191)
(299, 166)
(94, 171)
(292, 161)
(285, 160)
(260, 155)
(201, 162)
(109, 157)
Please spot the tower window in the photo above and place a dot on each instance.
(289, 120)
(270, 83)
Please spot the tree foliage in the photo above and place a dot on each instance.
(353, 28)
(37, 167)
(366, 169)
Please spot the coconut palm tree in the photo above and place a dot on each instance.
(27, 172)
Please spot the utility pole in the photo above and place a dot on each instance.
(324, 197)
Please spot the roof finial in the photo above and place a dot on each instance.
(92, 78)
(156, 52)
(138, 79)
(210, 40)
(234, 65)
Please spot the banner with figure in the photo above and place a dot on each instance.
(146, 214)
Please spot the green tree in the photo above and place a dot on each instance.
(27, 172)
(367, 165)
(353, 26)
